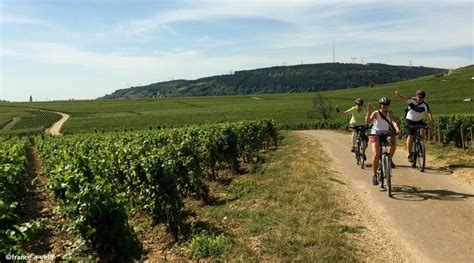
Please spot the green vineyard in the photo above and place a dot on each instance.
(99, 180)
(13, 177)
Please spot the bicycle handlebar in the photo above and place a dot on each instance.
(359, 126)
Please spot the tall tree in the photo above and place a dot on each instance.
(321, 107)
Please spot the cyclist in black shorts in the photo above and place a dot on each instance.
(417, 106)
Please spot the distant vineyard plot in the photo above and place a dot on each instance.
(30, 121)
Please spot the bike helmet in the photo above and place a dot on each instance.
(359, 101)
(420, 93)
(384, 101)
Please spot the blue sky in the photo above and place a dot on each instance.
(84, 49)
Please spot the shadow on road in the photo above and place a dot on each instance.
(410, 193)
(428, 170)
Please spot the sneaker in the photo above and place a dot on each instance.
(393, 165)
(374, 180)
(410, 158)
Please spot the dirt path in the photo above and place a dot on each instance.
(431, 216)
(12, 123)
(39, 204)
(55, 129)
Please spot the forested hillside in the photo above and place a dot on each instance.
(281, 79)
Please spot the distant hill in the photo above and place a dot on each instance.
(281, 79)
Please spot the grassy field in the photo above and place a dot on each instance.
(444, 93)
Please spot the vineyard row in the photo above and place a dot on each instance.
(98, 180)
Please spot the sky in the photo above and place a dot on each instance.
(84, 49)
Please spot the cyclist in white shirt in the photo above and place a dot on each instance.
(382, 120)
(417, 106)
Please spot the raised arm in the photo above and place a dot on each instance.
(343, 113)
(400, 96)
(370, 117)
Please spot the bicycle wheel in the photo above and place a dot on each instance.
(357, 152)
(387, 172)
(420, 156)
(361, 154)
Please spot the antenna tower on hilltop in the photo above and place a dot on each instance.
(333, 53)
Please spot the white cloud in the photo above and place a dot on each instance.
(161, 65)
(322, 22)
(211, 10)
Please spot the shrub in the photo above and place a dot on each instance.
(208, 245)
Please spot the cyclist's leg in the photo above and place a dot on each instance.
(365, 140)
(393, 145)
(422, 130)
(354, 136)
(393, 148)
(410, 132)
(375, 158)
(375, 153)
(409, 143)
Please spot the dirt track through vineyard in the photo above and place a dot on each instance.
(12, 123)
(55, 129)
(431, 216)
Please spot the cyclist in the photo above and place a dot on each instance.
(359, 114)
(417, 106)
(382, 120)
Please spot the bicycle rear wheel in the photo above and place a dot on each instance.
(420, 156)
(356, 152)
(387, 172)
(360, 149)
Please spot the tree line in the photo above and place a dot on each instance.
(280, 79)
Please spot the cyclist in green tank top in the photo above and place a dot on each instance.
(358, 115)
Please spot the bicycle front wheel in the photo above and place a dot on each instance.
(420, 156)
(387, 172)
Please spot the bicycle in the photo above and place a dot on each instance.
(384, 171)
(361, 143)
(419, 151)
